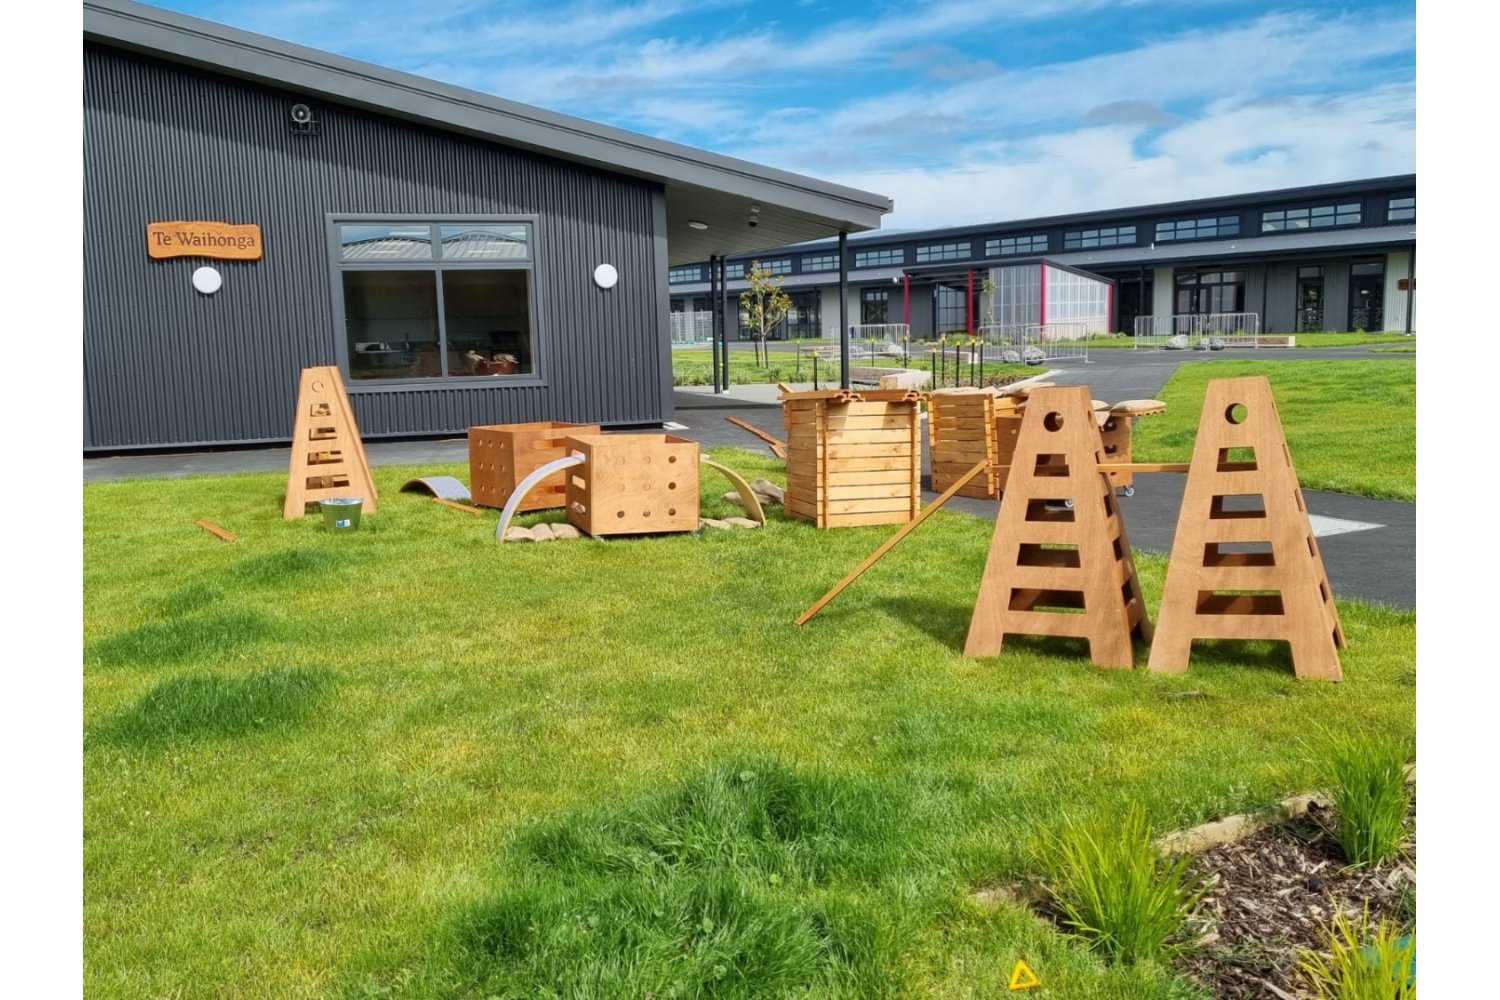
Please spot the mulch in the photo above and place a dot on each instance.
(1276, 892)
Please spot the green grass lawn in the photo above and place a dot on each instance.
(1351, 426)
(409, 761)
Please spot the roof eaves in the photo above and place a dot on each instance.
(245, 55)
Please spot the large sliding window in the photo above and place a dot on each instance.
(437, 299)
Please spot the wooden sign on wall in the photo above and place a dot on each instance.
(203, 239)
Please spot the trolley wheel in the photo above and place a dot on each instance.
(1128, 491)
(1068, 504)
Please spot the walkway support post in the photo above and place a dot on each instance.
(844, 309)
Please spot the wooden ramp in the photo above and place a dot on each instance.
(1245, 563)
(328, 457)
(1054, 570)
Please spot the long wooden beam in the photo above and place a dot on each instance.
(778, 446)
(890, 543)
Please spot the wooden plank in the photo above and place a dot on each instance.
(868, 491)
(778, 446)
(868, 506)
(866, 520)
(872, 478)
(885, 547)
(214, 529)
(466, 508)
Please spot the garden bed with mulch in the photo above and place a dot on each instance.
(1276, 892)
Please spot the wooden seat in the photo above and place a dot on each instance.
(1139, 407)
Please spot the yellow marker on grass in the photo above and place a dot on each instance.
(1022, 978)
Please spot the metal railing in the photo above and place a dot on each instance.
(1033, 343)
(1197, 331)
(692, 327)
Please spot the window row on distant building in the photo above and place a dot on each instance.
(1218, 226)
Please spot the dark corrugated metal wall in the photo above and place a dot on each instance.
(165, 366)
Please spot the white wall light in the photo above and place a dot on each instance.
(207, 280)
(605, 276)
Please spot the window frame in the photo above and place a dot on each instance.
(995, 246)
(338, 267)
(1208, 227)
(883, 252)
(1408, 213)
(1080, 239)
(932, 253)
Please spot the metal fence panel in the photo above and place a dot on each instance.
(1198, 331)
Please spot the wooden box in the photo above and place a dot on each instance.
(853, 458)
(501, 455)
(967, 427)
(633, 484)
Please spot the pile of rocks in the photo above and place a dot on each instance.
(765, 491)
(544, 532)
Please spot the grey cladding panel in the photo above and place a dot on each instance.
(165, 366)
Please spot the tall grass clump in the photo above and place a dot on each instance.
(1366, 774)
(1363, 962)
(1109, 882)
(211, 705)
(743, 881)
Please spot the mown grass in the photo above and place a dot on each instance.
(1350, 426)
(411, 762)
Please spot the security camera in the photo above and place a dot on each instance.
(754, 222)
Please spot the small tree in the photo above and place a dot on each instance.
(764, 304)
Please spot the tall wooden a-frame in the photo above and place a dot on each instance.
(1052, 569)
(328, 457)
(1245, 564)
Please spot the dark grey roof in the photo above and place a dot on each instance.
(1280, 244)
(702, 186)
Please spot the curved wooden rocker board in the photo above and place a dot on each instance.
(530, 483)
(441, 487)
(747, 495)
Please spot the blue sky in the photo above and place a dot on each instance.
(960, 111)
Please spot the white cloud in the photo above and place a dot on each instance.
(1315, 140)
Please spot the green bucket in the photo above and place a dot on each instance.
(341, 513)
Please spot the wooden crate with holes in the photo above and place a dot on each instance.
(502, 455)
(853, 457)
(632, 484)
(967, 426)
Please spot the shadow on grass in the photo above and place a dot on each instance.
(945, 622)
(199, 637)
(213, 706)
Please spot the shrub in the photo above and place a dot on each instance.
(1110, 883)
(1371, 799)
(1363, 963)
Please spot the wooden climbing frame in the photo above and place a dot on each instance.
(328, 457)
(1245, 563)
(1055, 569)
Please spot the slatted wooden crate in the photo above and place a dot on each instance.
(632, 484)
(853, 458)
(501, 455)
(967, 427)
